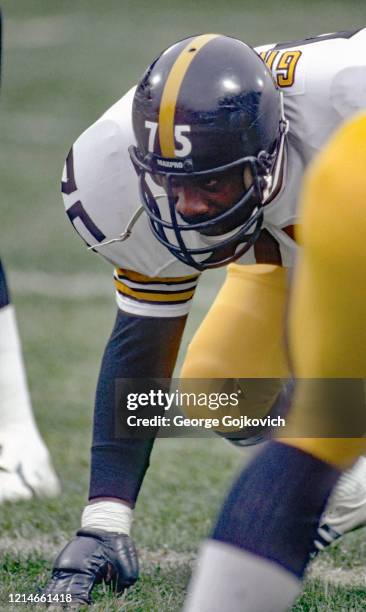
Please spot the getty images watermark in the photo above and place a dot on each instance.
(173, 409)
(238, 408)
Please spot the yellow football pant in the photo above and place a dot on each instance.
(242, 337)
(327, 318)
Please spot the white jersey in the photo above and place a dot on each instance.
(101, 195)
(323, 81)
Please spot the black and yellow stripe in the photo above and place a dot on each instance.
(171, 91)
(139, 287)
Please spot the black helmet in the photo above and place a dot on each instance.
(205, 105)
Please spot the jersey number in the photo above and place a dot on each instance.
(77, 211)
(283, 62)
(283, 65)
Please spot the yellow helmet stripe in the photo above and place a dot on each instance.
(171, 91)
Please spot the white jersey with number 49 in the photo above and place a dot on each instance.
(323, 80)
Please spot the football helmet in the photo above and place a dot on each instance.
(206, 105)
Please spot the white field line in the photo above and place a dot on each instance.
(328, 573)
(165, 557)
(49, 548)
(67, 286)
(85, 285)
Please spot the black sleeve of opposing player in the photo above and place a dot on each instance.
(139, 347)
(4, 291)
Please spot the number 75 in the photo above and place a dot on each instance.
(179, 136)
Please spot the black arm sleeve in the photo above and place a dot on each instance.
(4, 292)
(139, 347)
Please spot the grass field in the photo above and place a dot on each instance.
(65, 62)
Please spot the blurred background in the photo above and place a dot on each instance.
(65, 63)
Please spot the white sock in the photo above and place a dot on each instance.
(231, 579)
(25, 466)
(108, 516)
(15, 403)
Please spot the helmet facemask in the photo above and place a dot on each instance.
(206, 241)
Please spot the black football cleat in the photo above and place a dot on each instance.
(91, 557)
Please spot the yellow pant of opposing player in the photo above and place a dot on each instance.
(242, 336)
(327, 321)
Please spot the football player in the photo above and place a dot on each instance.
(25, 466)
(263, 538)
(198, 166)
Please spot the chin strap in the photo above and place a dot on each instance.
(124, 235)
(272, 185)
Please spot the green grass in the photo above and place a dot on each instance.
(65, 62)
(175, 511)
(320, 597)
